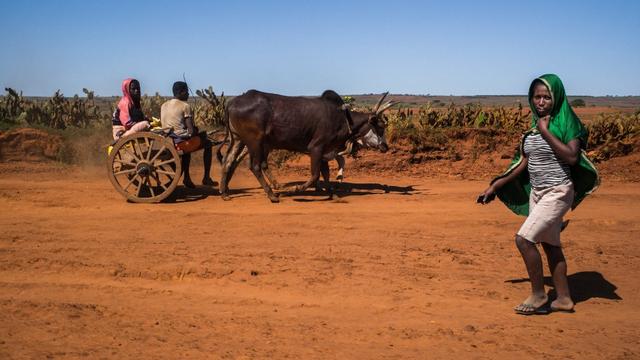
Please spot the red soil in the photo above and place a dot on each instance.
(419, 271)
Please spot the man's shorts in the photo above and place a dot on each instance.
(546, 208)
(191, 144)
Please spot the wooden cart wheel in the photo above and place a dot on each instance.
(144, 167)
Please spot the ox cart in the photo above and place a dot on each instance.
(145, 167)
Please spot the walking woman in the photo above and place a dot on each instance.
(549, 175)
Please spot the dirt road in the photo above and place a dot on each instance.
(420, 271)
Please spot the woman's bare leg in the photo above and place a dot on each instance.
(533, 262)
(558, 268)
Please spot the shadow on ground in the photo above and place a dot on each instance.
(346, 189)
(583, 286)
(184, 194)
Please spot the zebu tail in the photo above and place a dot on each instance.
(227, 139)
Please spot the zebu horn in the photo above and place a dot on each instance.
(375, 109)
(384, 107)
(348, 148)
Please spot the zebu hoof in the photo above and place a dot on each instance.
(340, 178)
(225, 197)
(274, 199)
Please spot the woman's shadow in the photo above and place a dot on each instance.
(583, 285)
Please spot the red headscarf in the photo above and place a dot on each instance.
(126, 102)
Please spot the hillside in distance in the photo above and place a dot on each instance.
(629, 102)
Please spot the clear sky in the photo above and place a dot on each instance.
(304, 47)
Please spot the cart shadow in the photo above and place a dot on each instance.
(583, 286)
(346, 189)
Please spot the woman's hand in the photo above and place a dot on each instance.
(490, 193)
(569, 153)
(543, 123)
(487, 196)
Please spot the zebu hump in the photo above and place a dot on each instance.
(332, 96)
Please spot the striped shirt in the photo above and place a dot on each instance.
(545, 169)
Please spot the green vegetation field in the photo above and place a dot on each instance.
(419, 124)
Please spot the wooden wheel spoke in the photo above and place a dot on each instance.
(153, 194)
(140, 184)
(157, 178)
(130, 182)
(168, 173)
(124, 162)
(166, 162)
(164, 146)
(125, 149)
(138, 150)
(149, 143)
(124, 172)
(166, 167)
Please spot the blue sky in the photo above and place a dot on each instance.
(304, 47)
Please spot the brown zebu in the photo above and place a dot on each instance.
(320, 127)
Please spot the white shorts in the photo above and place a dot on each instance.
(546, 208)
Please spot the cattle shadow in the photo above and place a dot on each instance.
(346, 189)
(184, 194)
(583, 285)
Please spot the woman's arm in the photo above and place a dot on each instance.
(569, 153)
(490, 192)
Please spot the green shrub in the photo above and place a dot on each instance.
(612, 135)
(578, 103)
(210, 113)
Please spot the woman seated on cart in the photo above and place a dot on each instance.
(177, 115)
(128, 117)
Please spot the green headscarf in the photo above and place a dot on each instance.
(564, 123)
(566, 126)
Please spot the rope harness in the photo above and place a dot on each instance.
(349, 143)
